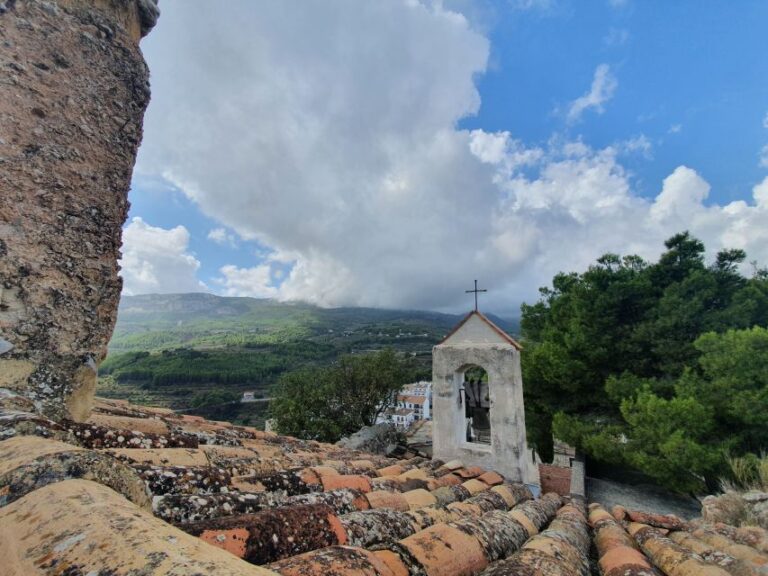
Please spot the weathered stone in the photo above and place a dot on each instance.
(373, 439)
(72, 101)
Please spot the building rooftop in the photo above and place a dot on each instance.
(137, 490)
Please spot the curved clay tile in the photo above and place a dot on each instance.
(446, 551)
(29, 462)
(750, 535)
(419, 498)
(384, 499)
(334, 561)
(669, 557)
(755, 559)
(393, 470)
(712, 555)
(271, 535)
(352, 481)
(559, 550)
(377, 527)
(93, 530)
(491, 478)
(618, 554)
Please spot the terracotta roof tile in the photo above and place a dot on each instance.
(393, 562)
(419, 498)
(491, 478)
(446, 551)
(334, 561)
(384, 499)
(163, 456)
(116, 533)
(28, 463)
(145, 425)
(669, 556)
(617, 552)
(712, 555)
(355, 482)
(274, 534)
(303, 507)
(475, 486)
(749, 555)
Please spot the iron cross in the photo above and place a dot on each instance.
(475, 291)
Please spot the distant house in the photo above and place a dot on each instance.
(248, 397)
(417, 397)
(418, 404)
(412, 404)
(402, 418)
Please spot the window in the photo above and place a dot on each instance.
(476, 402)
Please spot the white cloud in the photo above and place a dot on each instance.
(675, 129)
(255, 282)
(525, 5)
(327, 132)
(763, 162)
(221, 237)
(156, 260)
(616, 37)
(640, 144)
(604, 85)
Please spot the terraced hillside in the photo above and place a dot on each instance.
(175, 350)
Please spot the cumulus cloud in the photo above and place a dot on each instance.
(255, 282)
(604, 85)
(156, 260)
(221, 237)
(763, 157)
(328, 132)
(640, 144)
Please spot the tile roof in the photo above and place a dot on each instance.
(138, 490)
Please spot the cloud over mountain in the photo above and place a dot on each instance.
(328, 132)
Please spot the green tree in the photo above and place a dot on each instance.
(609, 346)
(328, 403)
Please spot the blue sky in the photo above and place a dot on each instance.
(386, 154)
(699, 65)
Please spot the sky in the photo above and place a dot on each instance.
(386, 153)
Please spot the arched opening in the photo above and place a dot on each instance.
(476, 402)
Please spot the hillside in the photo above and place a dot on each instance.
(173, 350)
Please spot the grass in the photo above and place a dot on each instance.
(747, 473)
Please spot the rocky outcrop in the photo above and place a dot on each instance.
(377, 439)
(73, 90)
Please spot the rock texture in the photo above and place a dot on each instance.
(73, 90)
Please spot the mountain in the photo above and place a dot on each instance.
(200, 352)
(163, 321)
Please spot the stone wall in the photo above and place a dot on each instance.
(73, 90)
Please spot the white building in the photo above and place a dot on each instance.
(417, 397)
(419, 405)
(413, 403)
(402, 418)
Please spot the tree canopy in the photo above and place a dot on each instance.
(328, 403)
(626, 361)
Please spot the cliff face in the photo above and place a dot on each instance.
(73, 90)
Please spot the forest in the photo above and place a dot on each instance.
(661, 367)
